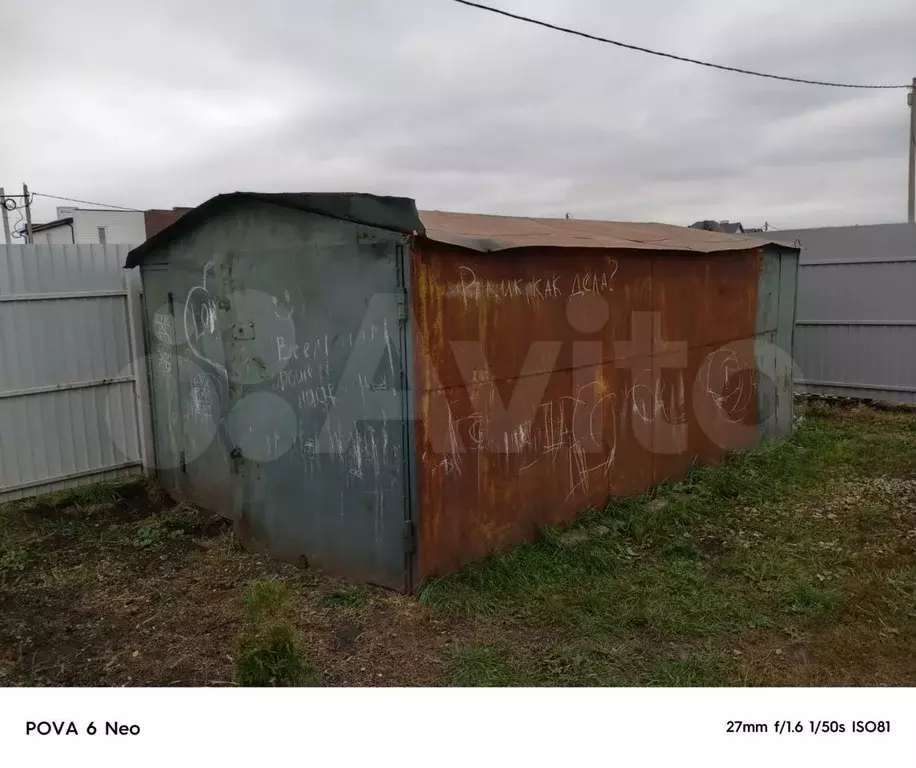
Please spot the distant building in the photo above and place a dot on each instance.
(59, 231)
(100, 225)
(728, 227)
(91, 225)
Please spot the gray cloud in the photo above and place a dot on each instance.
(168, 103)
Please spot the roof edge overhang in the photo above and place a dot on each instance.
(474, 232)
(495, 245)
(52, 224)
(398, 214)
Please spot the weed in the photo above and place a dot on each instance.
(182, 520)
(14, 556)
(13, 561)
(149, 534)
(269, 649)
(265, 599)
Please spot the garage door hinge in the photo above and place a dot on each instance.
(184, 466)
(410, 537)
(402, 307)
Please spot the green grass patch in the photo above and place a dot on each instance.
(806, 598)
(168, 525)
(78, 497)
(702, 670)
(762, 542)
(13, 561)
(270, 651)
(585, 660)
(349, 596)
(480, 666)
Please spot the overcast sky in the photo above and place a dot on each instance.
(161, 104)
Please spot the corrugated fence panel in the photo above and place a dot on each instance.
(858, 361)
(856, 318)
(68, 402)
(857, 292)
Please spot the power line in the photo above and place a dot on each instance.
(639, 48)
(85, 202)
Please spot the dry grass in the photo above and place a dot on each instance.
(793, 565)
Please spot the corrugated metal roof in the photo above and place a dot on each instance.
(475, 231)
(497, 233)
(398, 214)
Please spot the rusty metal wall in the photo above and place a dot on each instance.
(547, 380)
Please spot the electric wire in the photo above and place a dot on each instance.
(686, 59)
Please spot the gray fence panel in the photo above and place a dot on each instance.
(856, 319)
(68, 390)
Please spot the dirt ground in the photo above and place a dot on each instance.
(792, 565)
(133, 590)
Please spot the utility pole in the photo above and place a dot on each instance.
(911, 196)
(28, 211)
(6, 217)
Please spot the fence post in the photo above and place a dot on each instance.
(136, 325)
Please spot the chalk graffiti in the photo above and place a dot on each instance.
(283, 315)
(164, 333)
(576, 434)
(201, 397)
(469, 287)
(649, 402)
(200, 321)
(365, 450)
(722, 383)
(592, 282)
(308, 350)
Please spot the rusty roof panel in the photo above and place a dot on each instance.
(480, 232)
(477, 232)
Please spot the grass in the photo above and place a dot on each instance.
(480, 666)
(17, 551)
(77, 498)
(811, 600)
(347, 596)
(765, 545)
(270, 649)
(13, 561)
(703, 670)
(794, 564)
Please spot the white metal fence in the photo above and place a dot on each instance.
(72, 377)
(856, 318)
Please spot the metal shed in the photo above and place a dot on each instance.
(390, 394)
